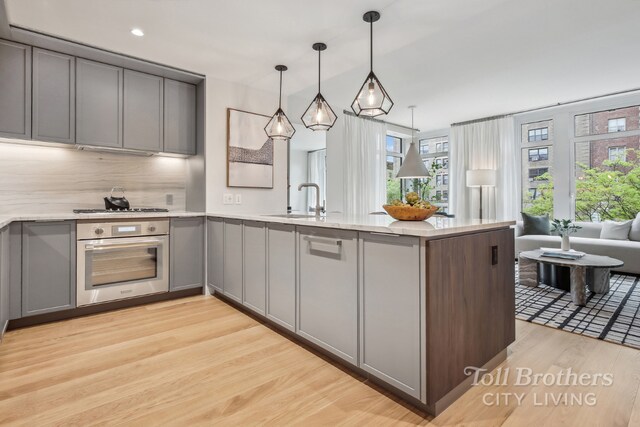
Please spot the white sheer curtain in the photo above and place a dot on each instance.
(317, 172)
(364, 167)
(489, 144)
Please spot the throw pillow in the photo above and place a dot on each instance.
(634, 234)
(536, 225)
(613, 230)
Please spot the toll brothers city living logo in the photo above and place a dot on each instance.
(563, 388)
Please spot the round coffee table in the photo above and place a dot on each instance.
(592, 271)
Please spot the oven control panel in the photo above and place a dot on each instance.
(124, 228)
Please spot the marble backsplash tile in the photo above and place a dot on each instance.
(36, 179)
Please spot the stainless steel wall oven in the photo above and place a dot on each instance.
(120, 259)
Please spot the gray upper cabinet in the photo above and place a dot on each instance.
(255, 266)
(281, 275)
(232, 270)
(328, 290)
(143, 111)
(390, 314)
(186, 253)
(179, 117)
(15, 90)
(98, 104)
(53, 87)
(215, 253)
(48, 266)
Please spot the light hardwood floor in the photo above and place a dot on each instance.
(199, 361)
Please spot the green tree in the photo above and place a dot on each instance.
(543, 203)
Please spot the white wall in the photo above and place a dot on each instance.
(298, 176)
(220, 96)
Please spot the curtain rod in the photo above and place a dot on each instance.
(349, 113)
(559, 104)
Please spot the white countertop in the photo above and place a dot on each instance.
(433, 227)
(6, 219)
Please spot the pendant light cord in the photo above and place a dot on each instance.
(280, 99)
(319, 52)
(371, 46)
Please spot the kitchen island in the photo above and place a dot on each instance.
(409, 305)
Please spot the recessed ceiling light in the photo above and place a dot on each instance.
(137, 32)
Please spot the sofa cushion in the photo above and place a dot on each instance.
(536, 225)
(613, 230)
(634, 233)
(588, 229)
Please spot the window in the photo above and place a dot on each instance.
(539, 134)
(538, 154)
(434, 152)
(537, 172)
(394, 161)
(533, 193)
(617, 125)
(618, 154)
(424, 147)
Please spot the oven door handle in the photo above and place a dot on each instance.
(142, 244)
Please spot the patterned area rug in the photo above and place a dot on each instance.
(613, 317)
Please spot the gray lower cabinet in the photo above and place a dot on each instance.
(232, 270)
(15, 90)
(54, 97)
(186, 253)
(328, 290)
(281, 275)
(143, 111)
(179, 117)
(99, 90)
(215, 254)
(48, 266)
(4, 280)
(255, 266)
(390, 317)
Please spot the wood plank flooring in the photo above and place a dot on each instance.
(198, 361)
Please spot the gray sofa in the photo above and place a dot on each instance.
(586, 240)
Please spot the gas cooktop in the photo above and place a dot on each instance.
(132, 210)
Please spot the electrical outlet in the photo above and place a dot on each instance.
(227, 198)
(169, 199)
(238, 199)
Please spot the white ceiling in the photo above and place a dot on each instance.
(455, 59)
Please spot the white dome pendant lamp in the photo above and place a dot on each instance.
(412, 164)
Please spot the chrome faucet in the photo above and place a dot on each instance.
(319, 209)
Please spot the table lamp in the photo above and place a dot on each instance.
(481, 178)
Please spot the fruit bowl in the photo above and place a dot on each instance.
(410, 213)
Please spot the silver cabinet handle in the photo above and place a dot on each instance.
(323, 241)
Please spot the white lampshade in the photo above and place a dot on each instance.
(412, 165)
(481, 178)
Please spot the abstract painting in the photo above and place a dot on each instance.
(249, 150)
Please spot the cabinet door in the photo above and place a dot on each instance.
(15, 90)
(470, 305)
(281, 275)
(54, 97)
(179, 117)
(391, 291)
(4, 280)
(48, 266)
(186, 253)
(98, 104)
(143, 111)
(255, 266)
(215, 254)
(328, 290)
(232, 270)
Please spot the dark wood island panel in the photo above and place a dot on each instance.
(470, 307)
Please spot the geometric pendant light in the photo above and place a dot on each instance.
(412, 164)
(279, 127)
(319, 115)
(372, 99)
